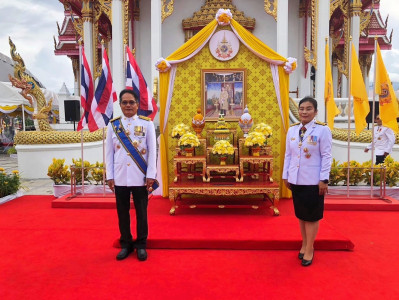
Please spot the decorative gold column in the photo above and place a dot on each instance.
(311, 53)
(268, 10)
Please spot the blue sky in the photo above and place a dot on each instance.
(32, 24)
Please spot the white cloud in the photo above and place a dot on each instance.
(32, 32)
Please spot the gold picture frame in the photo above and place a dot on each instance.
(223, 91)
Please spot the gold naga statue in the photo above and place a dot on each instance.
(31, 91)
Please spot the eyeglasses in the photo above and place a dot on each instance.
(128, 102)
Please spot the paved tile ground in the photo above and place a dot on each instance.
(30, 186)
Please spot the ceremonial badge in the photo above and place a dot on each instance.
(118, 146)
(312, 139)
(306, 150)
(143, 151)
(308, 155)
(135, 143)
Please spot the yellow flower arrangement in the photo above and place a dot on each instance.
(223, 147)
(9, 183)
(188, 140)
(179, 130)
(265, 129)
(255, 139)
(58, 172)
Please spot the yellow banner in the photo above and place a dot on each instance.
(361, 106)
(383, 88)
(332, 109)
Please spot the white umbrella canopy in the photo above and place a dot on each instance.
(10, 96)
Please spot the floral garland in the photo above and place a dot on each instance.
(255, 139)
(179, 130)
(223, 147)
(162, 65)
(290, 65)
(265, 129)
(188, 140)
(224, 16)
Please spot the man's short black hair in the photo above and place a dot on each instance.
(309, 99)
(127, 91)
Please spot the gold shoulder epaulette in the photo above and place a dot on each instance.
(295, 124)
(320, 123)
(145, 118)
(115, 119)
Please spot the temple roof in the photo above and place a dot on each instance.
(67, 44)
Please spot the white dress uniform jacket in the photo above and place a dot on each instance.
(384, 139)
(119, 165)
(309, 161)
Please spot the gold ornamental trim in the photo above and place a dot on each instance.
(269, 11)
(126, 18)
(86, 11)
(167, 9)
(208, 12)
(311, 54)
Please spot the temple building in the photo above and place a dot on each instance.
(292, 28)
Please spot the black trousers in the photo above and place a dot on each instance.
(379, 159)
(140, 200)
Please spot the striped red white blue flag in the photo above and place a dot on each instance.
(135, 81)
(102, 107)
(86, 91)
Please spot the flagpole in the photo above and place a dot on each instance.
(102, 55)
(325, 102)
(372, 120)
(81, 132)
(349, 120)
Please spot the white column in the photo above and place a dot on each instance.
(323, 33)
(130, 34)
(367, 80)
(282, 27)
(355, 24)
(335, 74)
(118, 73)
(304, 82)
(156, 44)
(76, 88)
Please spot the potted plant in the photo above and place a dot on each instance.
(187, 142)
(61, 176)
(223, 149)
(9, 185)
(255, 140)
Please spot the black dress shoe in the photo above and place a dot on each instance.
(300, 255)
(124, 253)
(141, 254)
(307, 263)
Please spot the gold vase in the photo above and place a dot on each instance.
(255, 151)
(189, 151)
(198, 123)
(223, 160)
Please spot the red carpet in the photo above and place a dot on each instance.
(67, 254)
(215, 228)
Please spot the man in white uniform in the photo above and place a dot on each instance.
(126, 174)
(384, 139)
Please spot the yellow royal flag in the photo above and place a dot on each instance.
(332, 109)
(361, 106)
(383, 87)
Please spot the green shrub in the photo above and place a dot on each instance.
(9, 183)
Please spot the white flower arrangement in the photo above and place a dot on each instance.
(223, 16)
(162, 65)
(290, 65)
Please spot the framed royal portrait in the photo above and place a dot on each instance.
(223, 91)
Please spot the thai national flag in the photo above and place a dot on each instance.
(104, 98)
(86, 91)
(135, 81)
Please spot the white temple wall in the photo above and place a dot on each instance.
(172, 28)
(265, 25)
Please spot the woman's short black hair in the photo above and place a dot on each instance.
(309, 99)
(127, 91)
